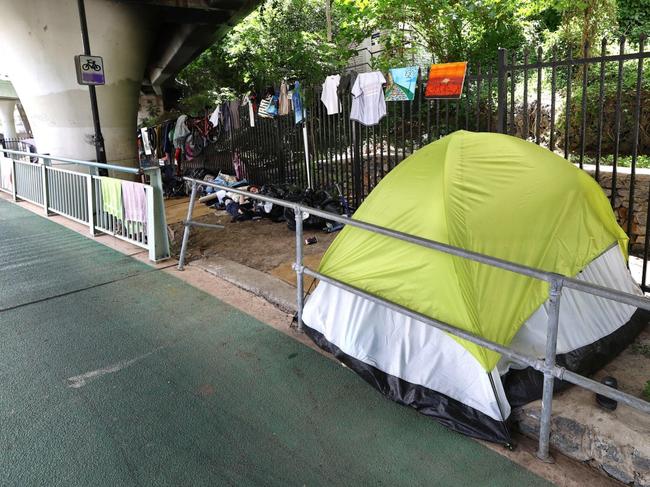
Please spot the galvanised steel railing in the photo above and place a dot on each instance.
(557, 282)
(78, 197)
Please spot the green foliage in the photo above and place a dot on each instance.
(287, 38)
(609, 107)
(446, 30)
(634, 17)
(646, 390)
(280, 39)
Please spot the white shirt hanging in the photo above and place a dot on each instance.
(368, 104)
(251, 112)
(216, 115)
(330, 97)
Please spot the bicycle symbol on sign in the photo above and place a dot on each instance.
(91, 64)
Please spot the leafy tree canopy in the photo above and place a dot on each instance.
(288, 38)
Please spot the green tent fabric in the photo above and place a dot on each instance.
(490, 193)
(112, 196)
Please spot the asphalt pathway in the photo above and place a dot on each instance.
(113, 373)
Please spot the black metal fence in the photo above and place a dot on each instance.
(592, 109)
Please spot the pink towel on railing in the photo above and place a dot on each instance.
(134, 198)
(6, 166)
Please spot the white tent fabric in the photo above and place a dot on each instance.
(401, 346)
(420, 354)
(584, 318)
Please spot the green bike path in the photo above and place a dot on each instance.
(113, 373)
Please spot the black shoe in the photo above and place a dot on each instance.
(606, 402)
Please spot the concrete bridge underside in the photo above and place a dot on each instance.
(144, 43)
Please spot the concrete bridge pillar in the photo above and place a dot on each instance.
(7, 118)
(40, 39)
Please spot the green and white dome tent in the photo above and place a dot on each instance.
(500, 196)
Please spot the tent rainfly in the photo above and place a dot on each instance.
(500, 196)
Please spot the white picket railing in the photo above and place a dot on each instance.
(78, 196)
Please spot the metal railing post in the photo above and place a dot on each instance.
(159, 244)
(188, 224)
(298, 266)
(501, 91)
(549, 366)
(14, 185)
(90, 193)
(46, 192)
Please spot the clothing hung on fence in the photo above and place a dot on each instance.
(368, 104)
(283, 99)
(134, 199)
(180, 131)
(296, 98)
(329, 96)
(401, 84)
(248, 100)
(112, 196)
(6, 171)
(215, 118)
(233, 105)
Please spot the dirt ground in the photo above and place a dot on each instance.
(260, 244)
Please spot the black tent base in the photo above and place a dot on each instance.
(525, 385)
(449, 412)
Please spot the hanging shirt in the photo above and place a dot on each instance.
(180, 131)
(283, 99)
(251, 112)
(368, 104)
(234, 113)
(216, 116)
(329, 96)
(298, 112)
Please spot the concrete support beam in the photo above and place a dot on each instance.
(40, 39)
(7, 118)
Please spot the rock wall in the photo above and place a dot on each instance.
(622, 202)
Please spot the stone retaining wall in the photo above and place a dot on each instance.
(622, 202)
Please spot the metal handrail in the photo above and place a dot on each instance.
(99, 165)
(157, 241)
(548, 366)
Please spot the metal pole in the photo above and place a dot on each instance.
(298, 266)
(100, 150)
(306, 144)
(549, 366)
(501, 91)
(186, 233)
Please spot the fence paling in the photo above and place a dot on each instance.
(548, 367)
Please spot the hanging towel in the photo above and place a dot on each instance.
(296, 98)
(135, 201)
(6, 169)
(283, 102)
(112, 196)
(401, 84)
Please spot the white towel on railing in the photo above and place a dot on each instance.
(134, 197)
(6, 166)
